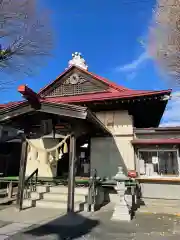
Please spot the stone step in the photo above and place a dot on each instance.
(62, 189)
(79, 206)
(63, 197)
(42, 188)
(36, 195)
(28, 203)
(60, 205)
(56, 196)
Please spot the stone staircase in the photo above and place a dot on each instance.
(56, 197)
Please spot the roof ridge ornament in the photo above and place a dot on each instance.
(78, 60)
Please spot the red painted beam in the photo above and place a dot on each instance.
(156, 141)
(28, 93)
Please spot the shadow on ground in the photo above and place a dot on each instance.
(69, 226)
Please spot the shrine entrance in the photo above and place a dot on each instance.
(82, 159)
(43, 125)
(63, 162)
(46, 127)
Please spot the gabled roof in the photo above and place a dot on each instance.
(114, 91)
(112, 87)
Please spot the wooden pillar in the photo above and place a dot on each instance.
(71, 177)
(22, 172)
(10, 190)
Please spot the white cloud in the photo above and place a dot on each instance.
(170, 124)
(171, 116)
(134, 65)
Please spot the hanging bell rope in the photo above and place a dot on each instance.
(57, 155)
(48, 150)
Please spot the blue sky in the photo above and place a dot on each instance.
(108, 34)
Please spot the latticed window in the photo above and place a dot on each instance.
(78, 86)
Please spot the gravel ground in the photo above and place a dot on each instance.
(99, 226)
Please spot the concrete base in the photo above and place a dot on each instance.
(121, 213)
(121, 210)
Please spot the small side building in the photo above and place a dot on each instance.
(157, 161)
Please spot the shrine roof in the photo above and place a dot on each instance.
(10, 104)
(78, 86)
(106, 96)
(112, 86)
(114, 91)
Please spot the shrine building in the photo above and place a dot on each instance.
(112, 125)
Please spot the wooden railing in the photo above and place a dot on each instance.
(30, 184)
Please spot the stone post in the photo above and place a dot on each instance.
(121, 210)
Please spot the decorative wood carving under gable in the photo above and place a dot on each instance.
(75, 83)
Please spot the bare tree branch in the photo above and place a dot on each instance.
(13, 13)
(25, 39)
(164, 37)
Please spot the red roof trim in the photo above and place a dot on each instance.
(13, 105)
(106, 96)
(22, 103)
(157, 128)
(156, 141)
(10, 105)
(95, 97)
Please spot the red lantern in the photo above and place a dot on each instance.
(132, 174)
